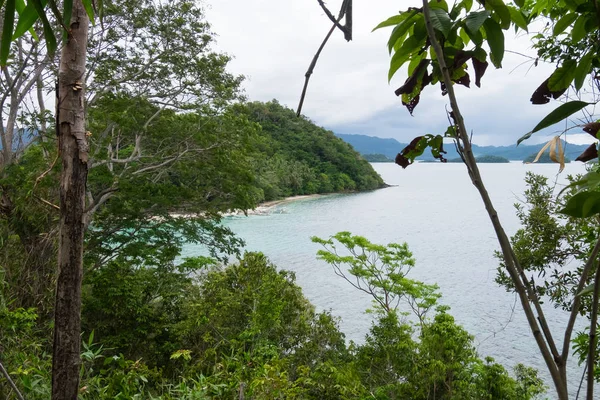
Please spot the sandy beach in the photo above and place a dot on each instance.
(264, 208)
(267, 206)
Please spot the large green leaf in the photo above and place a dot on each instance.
(557, 115)
(19, 6)
(501, 11)
(495, 39)
(27, 18)
(391, 21)
(402, 28)
(48, 31)
(583, 205)
(89, 9)
(67, 12)
(586, 290)
(562, 77)
(403, 54)
(584, 68)
(579, 32)
(7, 29)
(564, 23)
(475, 20)
(441, 21)
(518, 18)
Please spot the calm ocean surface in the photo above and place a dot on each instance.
(437, 211)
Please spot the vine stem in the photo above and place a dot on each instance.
(526, 294)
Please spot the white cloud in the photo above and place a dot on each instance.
(273, 43)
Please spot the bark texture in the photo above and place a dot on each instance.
(73, 148)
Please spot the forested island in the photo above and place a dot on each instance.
(484, 160)
(544, 158)
(377, 158)
(293, 156)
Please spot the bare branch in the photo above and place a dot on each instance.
(103, 197)
(335, 21)
(347, 4)
(577, 301)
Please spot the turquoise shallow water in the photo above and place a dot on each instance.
(437, 211)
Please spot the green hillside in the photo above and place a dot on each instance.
(296, 157)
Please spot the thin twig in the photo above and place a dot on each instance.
(310, 70)
(592, 349)
(336, 22)
(577, 301)
(313, 63)
(10, 382)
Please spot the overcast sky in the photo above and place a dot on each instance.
(273, 42)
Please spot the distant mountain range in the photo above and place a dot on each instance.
(390, 147)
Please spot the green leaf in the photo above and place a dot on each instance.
(583, 69)
(578, 32)
(19, 6)
(518, 18)
(395, 20)
(89, 9)
(464, 36)
(26, 19)
(501, 10)
(48, 32)
(439, 4)
(414, 62)
(402, 55)
(441, 21)
(524, 137)
(401, 29)
(564, 23)
(475, 20)
(520, 3)
(7, 29)
(67, 12)
(582, 205)
(562, 77)
(561, 112)
(495, 39)
(586, 290)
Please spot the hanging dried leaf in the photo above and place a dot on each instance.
(589, 154)
(592, 128)
(539, 154)
(543, 94)
(556, 144)
(411, 82)
(479, 68)
(464, 80)
(461, 57)
(444, 89)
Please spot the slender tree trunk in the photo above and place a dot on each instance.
(73, 148)
(541, 332)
